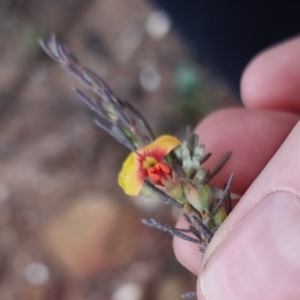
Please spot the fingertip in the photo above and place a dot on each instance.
(187, 254)
(252, 136)
(271, 80)
(258, 244)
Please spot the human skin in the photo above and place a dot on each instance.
(255, 254)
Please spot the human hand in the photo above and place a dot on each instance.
(255, 254)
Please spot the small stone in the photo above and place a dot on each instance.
(158, 24)
(94, 234)
(36, 273)
(171, 288)
(149, 79)
(128, 291)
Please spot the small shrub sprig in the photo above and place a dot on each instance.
(164, 167)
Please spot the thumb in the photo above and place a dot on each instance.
(256, 252)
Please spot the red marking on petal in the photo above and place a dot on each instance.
(164, 167)
(152, 169)
(154, 177)
(157, 167)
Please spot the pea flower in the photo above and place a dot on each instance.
(148, 162)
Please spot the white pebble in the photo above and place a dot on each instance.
(149, 79)
(128, 291)
(36, 273)
(158, 24)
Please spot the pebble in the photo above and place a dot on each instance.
(128, 291)
(93, 234)
(158, 24)
(149, 79)
(36, 273)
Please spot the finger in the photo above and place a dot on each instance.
(187, 253)
(271, 81)
(252, 136)
(255, 253)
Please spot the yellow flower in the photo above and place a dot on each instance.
(146, 163)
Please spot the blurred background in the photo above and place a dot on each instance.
(67, 231)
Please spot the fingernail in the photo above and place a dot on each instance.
(260, 258)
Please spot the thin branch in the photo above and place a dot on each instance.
(205, 158)
(202, 228)
(91, 104)
(170, 230)
(225, 194)
(140, 118)
(219, 166)
(117, 134)
(189, 295)
(163, 196)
